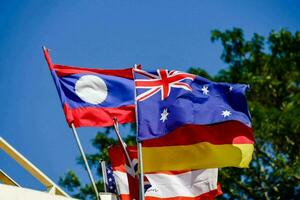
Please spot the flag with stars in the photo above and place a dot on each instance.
(204, 123)
(94, 97)
(193, 184)
(126, 179)
(111, 183)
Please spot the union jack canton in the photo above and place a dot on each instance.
(164, 81)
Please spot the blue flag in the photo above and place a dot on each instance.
(167, 100)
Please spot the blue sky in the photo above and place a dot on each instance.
(107, 34)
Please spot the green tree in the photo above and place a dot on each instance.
(271, 66)
(101, 142)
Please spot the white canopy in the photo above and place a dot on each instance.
(8, 192)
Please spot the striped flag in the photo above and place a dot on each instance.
(126, 179)
(188, 122)
(94, 97)
(169, 185)
(192, 184)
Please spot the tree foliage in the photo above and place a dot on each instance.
(101, 142)
(271, 66)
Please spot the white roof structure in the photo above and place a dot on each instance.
(8, 192)
(13, 191)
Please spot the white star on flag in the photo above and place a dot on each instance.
(230, 88)
(226, 113)
(205, 90)
(164, 115)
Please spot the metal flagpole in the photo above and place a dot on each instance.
(104, 175)
(123, 144)
(140, 153)
(50, 64)
(85, 161)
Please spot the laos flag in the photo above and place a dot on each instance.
(188, 122)
(94, 97)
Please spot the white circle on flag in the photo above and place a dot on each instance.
(91, 89)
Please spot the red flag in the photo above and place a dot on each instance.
(126, 179)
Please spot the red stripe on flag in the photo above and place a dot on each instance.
(93, 116)
(170, 172)
(206, 196)
(125, 197)
(230, 132)
(62, 70)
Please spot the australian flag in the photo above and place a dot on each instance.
(169, 99)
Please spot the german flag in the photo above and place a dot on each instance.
(200, 147)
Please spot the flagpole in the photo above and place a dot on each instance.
(123, 144)
(141, 167)
(139, 147)
(104, 175)
(50, 64)
(85, 160)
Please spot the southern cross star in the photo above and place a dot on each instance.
(205, 90)
(226, 113)
(164, 115)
